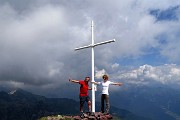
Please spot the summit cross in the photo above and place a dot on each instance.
(92, 45)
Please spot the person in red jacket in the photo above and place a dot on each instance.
(83, 95)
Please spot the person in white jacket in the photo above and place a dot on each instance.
(105, 92)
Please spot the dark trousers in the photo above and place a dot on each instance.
(84, 99)
(105, 98)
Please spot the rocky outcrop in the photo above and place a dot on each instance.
(87, 116)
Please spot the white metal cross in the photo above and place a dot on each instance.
(92, 46)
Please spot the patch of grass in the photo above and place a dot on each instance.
(43, 118)
(58, 117)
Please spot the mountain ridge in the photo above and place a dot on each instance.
(158, 102)
(23, 105)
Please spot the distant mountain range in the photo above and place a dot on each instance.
(156, 103)
(22, 105)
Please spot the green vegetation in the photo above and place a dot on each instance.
(58, 117)
(61, 117)
(43, 118)
(116, 118)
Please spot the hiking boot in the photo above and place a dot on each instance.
(91, 114)
(82, 115)
(106, 113)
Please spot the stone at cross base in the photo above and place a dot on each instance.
(96, 116)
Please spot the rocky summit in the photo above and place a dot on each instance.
(86, 116)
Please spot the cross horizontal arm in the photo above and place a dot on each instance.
(79, 48)
(101, 43)
(105, 42)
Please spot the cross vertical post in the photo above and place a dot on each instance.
(93, 86)
(92, 45)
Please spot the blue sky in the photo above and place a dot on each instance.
(38, 39)
(152, 55)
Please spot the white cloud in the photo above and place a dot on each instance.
(115, 65)
(165, 74)
(175, 71)
(99, 73)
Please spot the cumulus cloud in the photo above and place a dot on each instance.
(25, 50)
(168, 74)
(99, 73)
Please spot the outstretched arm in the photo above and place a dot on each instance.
(95, 82)
(89, 88)
(119, 84)
(74, 81)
